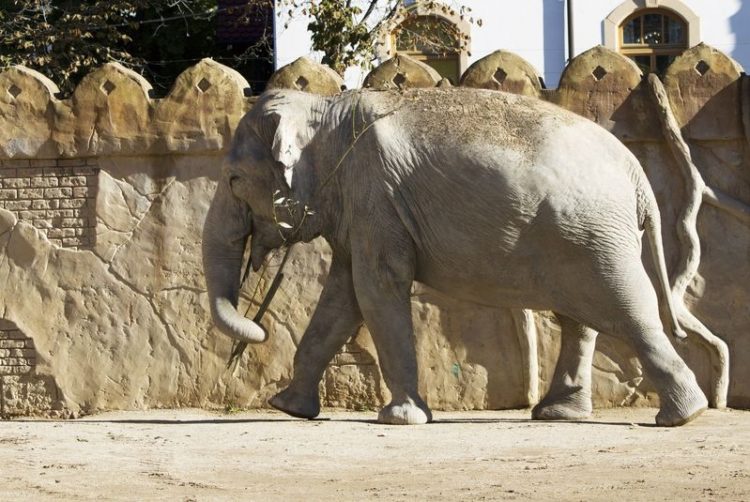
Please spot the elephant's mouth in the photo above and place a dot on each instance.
(258, 254)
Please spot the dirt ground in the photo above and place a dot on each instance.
(197, 455)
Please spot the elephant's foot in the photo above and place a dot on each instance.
(297, 404)
(405, 413)
(680, 407)
(572, 405)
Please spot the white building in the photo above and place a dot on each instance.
(650, 31)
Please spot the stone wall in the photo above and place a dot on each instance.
(55, 196)
(22, 390)
(17, 356)
(103, 196)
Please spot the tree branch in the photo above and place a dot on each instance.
(386, 18)
(690, 244)
(369, 11)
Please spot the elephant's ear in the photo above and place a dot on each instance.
(288, 143)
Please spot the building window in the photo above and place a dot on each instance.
(432, 40)
(653, 38)
(431, 33)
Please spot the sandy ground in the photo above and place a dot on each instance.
(197, 455)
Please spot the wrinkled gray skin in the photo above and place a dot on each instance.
(493, 198)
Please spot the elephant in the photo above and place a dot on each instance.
(490, 197)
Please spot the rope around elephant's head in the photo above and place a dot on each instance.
(239, 347)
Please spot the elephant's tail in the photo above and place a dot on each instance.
(651, 220)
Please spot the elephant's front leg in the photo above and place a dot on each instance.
(336, 319)
(383, 268)
(569, 396)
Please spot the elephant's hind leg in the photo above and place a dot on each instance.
(680, 397)
(631, 307)
(569, 396)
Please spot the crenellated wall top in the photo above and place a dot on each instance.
(112, 111)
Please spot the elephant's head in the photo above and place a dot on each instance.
(259, 178)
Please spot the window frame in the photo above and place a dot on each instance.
(652, 50)
(615, 19)
(385, 48)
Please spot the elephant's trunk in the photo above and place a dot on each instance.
(228, 225)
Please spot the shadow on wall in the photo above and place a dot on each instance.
(553, 19)
(739, 23)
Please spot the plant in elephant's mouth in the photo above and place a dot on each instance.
(292, 208)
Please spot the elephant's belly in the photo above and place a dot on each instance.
(511, 284)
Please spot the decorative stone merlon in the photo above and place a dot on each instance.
(111, 110)
(607, 74)
(28, 112)
(111, 113)
(602, 67)
(402, 72)
(503, 71)
(306, 75)
(718, 78)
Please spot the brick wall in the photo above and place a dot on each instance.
(56, 196)
(22, 390)
(17, 354)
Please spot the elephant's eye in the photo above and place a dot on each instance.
(234, 184)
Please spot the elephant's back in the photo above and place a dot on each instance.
(493, 140)
(478, 117)
(479, 167)
(475, 121)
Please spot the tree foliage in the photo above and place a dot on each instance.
(66, 39)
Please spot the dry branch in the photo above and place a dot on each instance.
(687, 234)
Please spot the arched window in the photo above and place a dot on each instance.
(653, 38)
(433, 40)
(430, 33)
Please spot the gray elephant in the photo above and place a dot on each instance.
(490, 197)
